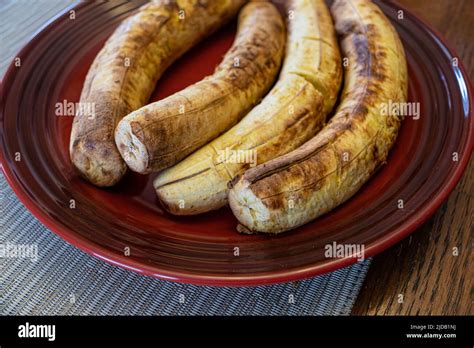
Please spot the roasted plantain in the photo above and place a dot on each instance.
(294, 189)
(125, 72)
(163, 133)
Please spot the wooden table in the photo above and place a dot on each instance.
(422, 268)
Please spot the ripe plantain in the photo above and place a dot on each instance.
(288, 116)
(162, 133)
(124, 74)
(294, 189)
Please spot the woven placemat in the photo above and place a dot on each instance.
(62, 280)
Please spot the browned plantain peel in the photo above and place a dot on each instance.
(294, 189)
(125, 72)
(162, 133)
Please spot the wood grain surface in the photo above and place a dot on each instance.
(422, 275)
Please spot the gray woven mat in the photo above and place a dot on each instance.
(66, 281)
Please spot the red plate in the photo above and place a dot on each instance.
(200, 250)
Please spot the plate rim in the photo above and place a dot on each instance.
(251, 279)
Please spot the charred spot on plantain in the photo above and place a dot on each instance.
(362, 54)
(203, 3)
(259, 40)
(371, 92)
(265, 187)
(379, 76)
(214, 85)
(376, 153)
(274, 203)
(117, 70)
(280, 28)
(372, 30)
(87, 163)
(392, 121)
(106, 152)
(348, 27)
(376, 72)
(140, 40)
(76, 142)
(316, 167)
(360, 111)
(289, 123)
(233, 182)
(248, 56)
(105, 171)
(340, 127)
(137, 130)
(270, 63)
(379, 54)
(171, 5)
(87, 144)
